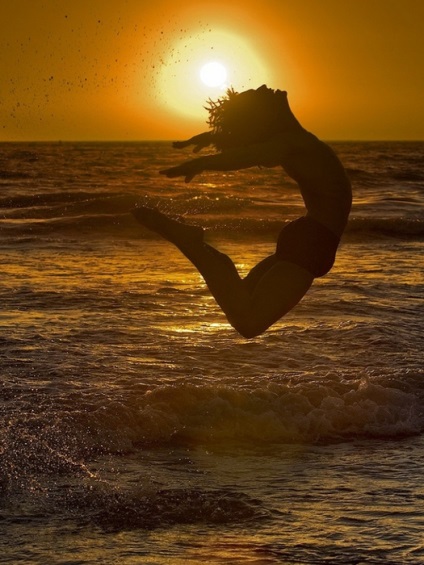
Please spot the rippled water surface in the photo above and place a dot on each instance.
(138, 427)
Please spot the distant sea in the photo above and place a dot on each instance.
(137, 426)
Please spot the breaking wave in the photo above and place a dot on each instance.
(102, 214)
(327, 410)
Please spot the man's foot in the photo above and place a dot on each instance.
(175, 231)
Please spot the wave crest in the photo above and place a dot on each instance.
(307, 413)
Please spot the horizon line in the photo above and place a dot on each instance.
(170, 140)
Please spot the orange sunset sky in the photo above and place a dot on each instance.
(130, 70)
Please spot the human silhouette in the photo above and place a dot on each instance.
(257, 128)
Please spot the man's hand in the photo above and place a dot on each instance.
(188, 170)
(199, 141)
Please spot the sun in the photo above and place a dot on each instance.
(213, 74)
(203, 66)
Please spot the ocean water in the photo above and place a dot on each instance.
(137, 426)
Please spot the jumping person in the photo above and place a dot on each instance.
(257, 128)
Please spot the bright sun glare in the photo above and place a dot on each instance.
(189, 75)
(213, 74)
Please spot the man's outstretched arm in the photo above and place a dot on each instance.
(264, 154)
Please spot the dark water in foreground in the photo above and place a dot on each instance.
(138, 427)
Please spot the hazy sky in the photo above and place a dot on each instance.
(103, 69)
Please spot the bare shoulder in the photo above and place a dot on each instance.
(307, 158)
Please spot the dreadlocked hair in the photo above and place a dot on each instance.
(244, 118)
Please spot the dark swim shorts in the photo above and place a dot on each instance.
(309, 244)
